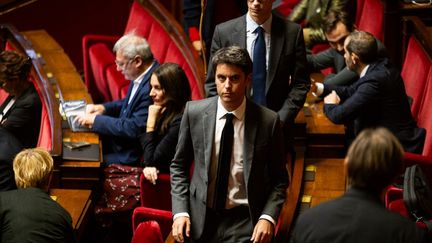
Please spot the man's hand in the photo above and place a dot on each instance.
(332, 98)
(95, 109)
(151, 174)
(263, 231)
(85, 120)
(180, 225)
(197, 45)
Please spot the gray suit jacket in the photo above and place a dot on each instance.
(287, 78)
(264, 162)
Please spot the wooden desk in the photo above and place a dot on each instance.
(325, 139)
(68, 86)
(78, 204)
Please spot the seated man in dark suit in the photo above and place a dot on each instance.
(9, 147)
(28, 214)
(120, 122)
(378, 98)
(238, 185)
(374, 160)
(337, 25)
(20, 113)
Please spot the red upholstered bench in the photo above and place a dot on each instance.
(167, 41)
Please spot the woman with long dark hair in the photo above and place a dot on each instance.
(170, 91)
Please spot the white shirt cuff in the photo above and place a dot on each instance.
(269, 218)
(320, 90)
(180, 215)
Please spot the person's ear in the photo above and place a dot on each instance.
(355, 58)
(138, 61)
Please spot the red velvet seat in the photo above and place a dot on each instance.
(167, 41)
(147, 232)
(162, 217)
(371, 18)
(415, 72)
(156, 196)
(424, 116)
(395, 203)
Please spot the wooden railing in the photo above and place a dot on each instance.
(51, 140)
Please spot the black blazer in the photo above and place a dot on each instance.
(377, 99)
(23, 118)
(9, 147)
(357, 216)
(287, 78)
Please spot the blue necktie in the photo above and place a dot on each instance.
(224, 162)
(259, 74)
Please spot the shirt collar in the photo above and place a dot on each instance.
(251, 25)
(363, 72)
(238, 113)
(141, 76)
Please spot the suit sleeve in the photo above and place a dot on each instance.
(278, 173)
(160, 154)
(210, 86)
(119, 126)
(324, 59)
(353, 101)
(180, 167)
(344, 77)
(300, 83)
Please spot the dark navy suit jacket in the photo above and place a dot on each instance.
(357, 216)
(122, 123)
(377, 99)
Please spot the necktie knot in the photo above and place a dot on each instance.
(229, 117)
(259, 30)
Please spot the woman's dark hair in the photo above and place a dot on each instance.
(14, 65)
(175, 85)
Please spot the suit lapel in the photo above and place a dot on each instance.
(250, 132)
(143, 87)
(209, 123)
(238, 36)
(276, 45)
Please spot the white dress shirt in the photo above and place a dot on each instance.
(251, 35)
(137, 82)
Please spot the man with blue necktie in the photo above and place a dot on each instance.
(280, 79)
(120, 122)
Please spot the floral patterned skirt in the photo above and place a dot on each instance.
(120, 194)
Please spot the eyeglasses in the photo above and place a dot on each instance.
(121, 64)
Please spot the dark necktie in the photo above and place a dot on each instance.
(259, 73)
(224, 162)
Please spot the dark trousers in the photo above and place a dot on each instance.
(231, 225)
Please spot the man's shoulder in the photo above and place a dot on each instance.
(232, 23)
(288, 24)
(199, 105)
(263, 111)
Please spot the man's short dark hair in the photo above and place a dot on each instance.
(333, 17)
(364, 45)
(233, 55)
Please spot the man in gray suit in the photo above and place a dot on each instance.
(257, 176)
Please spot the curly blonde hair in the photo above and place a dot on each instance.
(32, 168)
